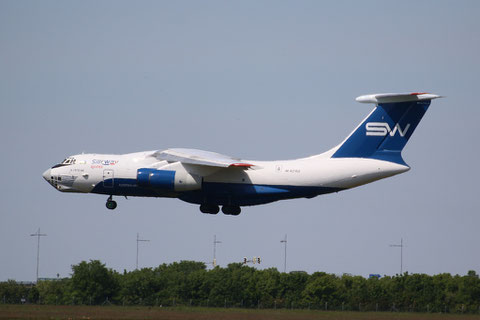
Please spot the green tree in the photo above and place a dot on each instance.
(320, 289)
(355, 292)
(469, 292)
(292, 285)
(93, 283)
(139, 287)
(239, 286)
(54, 292)
(176, 281)
(12, 291)
(267, 286)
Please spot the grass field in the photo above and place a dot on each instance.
(116, 312)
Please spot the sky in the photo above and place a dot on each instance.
(263, 80)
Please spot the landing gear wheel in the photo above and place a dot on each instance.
(210, 209)
(111, 204)
(231, 210)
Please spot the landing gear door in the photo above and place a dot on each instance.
(108, 178)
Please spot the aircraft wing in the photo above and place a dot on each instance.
(200, 157)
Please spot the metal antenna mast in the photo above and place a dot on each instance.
(284, 241)
(215, 250)
(139, 240)
(38, 235)
(401, 253)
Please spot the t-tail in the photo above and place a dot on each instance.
(386, 130)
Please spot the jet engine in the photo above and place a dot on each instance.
(171, 180)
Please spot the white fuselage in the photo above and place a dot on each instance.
(117, 174)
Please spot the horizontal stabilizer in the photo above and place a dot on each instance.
(396, 97)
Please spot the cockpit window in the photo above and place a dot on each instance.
(66, 162)
(69, 161)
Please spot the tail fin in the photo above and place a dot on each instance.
(386, 130)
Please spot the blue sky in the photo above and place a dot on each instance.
(257, 80)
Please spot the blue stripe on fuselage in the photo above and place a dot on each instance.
(129, 187)
(240, 194)
(217, 193)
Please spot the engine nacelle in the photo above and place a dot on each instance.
(158, 179)
(171, 180)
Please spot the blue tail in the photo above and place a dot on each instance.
(385, 132)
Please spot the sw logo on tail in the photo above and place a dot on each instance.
(381, 129)
(371, 152)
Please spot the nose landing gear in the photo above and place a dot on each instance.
(111, 204)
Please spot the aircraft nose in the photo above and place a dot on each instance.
(46, 174)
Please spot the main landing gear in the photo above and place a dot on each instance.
(111, 204)
(209, 208)
(214, 209)
(231, 210)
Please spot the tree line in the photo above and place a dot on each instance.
(237, 285)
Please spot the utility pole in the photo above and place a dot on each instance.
(284, 241)
(139, 240)
(401, 253)
(215, 250)
(38, 235)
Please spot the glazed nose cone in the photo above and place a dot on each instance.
(46, 174)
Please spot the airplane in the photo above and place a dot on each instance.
(371, 152)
